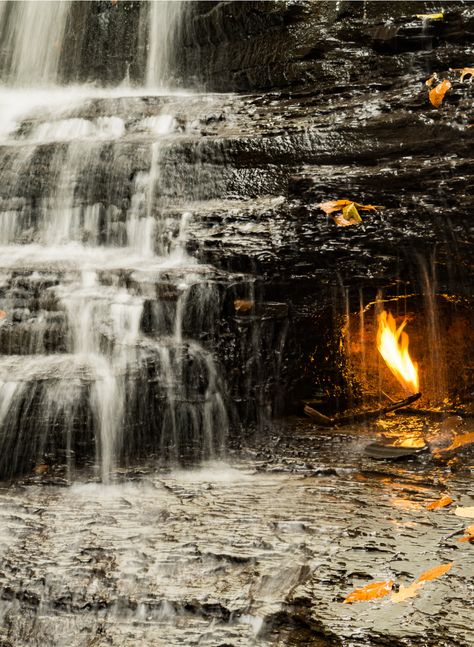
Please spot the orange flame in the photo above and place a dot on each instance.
(392, 343)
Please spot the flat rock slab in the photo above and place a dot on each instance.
(259, 550)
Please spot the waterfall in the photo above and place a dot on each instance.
(98, 343)
(163, 24)
(32, 37)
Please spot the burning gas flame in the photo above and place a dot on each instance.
(392, 343)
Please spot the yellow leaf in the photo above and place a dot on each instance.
(370, 592)
(469, 534)
(243, 305)
(430, 16)
(440, 503)
(406, 592)
(435, 572)
(333, 205)
(465, 512)
(350, 213)
(465, 71)
(436, 95)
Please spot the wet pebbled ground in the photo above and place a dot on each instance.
(260, 550)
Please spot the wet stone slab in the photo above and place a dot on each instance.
(259, 550)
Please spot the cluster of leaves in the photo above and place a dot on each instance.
(439, 88)
(376, 590)
(346, 212)
(381, 589)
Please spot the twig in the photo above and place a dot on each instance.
(360, 416)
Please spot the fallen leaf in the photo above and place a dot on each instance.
(469, 534)
(370, 592)
(430, 16)
(459, 441)
(436, 95)
(41, 469)
(465, 512)
(243, 305)
(406, 592)
(334, 205)
(350, 213)
(3, 314)
(434, 573)
(440, 503)
(465, 71)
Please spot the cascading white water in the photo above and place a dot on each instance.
(32, 35)
(79, 244)
(163, 22)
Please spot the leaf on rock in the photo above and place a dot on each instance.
(334, 205)
(243, 305)
(434, 573)
(468, 534)
(465, 512)
(406, 592)
(436, 95)
(464, 71)
(370, 592)
(440, 503)
(349, 211)
(430, 16)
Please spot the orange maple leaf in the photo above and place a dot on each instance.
(434, 573)
(440, 503)
(436, 95)
(370, 592)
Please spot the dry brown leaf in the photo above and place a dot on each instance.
(434, 573)
(41, 469)
(465, 512)
(370, 592)
(436, 95)
(464, 71)
(469, 534)
(243, 305)
(406, 592)
(459, 441)
(440, 503)
(3, 314)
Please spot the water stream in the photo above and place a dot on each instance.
(82, 258)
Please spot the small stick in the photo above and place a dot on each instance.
(358, 417)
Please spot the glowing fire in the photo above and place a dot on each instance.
(392, 343)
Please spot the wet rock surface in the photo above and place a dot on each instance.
(262, 551)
